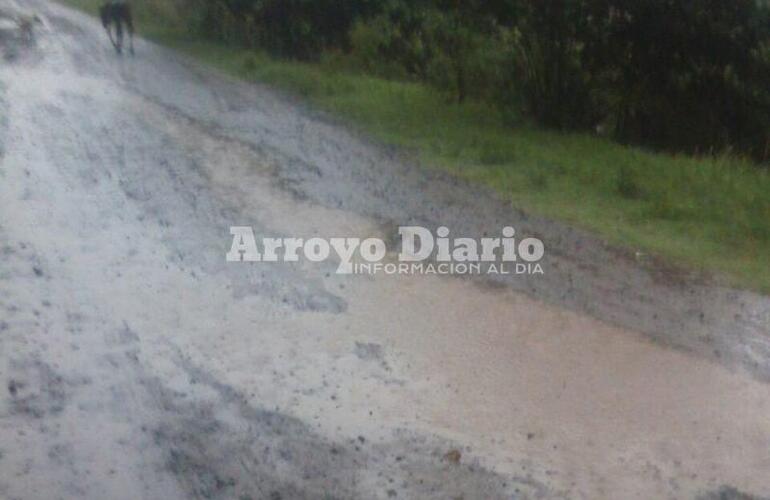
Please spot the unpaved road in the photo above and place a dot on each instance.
(136, 363)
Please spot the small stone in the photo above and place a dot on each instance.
(453, 456)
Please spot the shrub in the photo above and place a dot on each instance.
(548, 78)
(682, 75)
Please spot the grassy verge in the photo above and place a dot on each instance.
(705, 214)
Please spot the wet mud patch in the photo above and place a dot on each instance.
(729, 493)
(19, 33)
(62, 454)
(21, 265)
(178, 194)
(220, 446)
(21, 260)
(125, 336)
(375, 353)
(163, 173)
(36, 390)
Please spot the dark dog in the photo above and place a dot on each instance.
(118, 13)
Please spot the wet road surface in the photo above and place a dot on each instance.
(137, 363)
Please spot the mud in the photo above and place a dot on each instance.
(137, 363)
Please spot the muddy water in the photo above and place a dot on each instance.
(136, 363)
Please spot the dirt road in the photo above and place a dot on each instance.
(137, 363)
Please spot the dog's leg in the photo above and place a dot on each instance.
(108, 28)
(104, 13)
(119, 35)
(130, 26)
(107, 13)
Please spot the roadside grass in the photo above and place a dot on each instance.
(705, 214)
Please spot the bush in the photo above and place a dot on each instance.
(300, 29)
(370, 44)
(683, 75)
(441, 47)
(548, 78)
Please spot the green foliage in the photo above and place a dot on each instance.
(300, 29)
(682, 75)
(434, 45)
(371, 41)
(548, 79)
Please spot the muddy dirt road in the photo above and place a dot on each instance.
(136, 363)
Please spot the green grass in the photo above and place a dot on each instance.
(708, 214)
